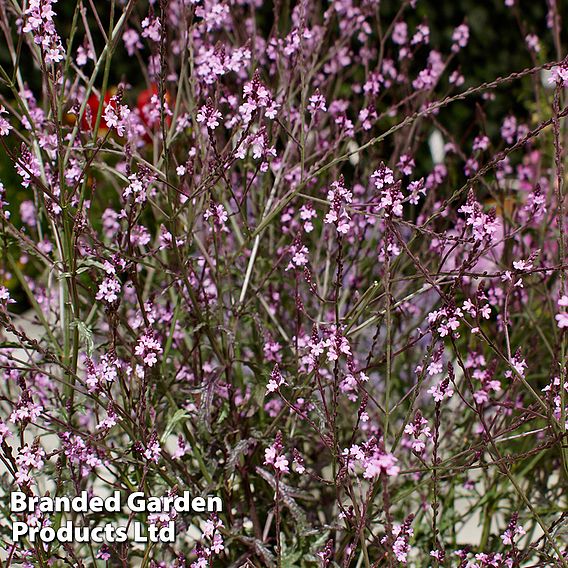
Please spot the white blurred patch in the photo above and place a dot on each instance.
(545, 75)
(353, 147)
(436, 144)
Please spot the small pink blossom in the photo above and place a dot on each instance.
(460, 37)
(5, 126)
(210, 116)
(273, 456)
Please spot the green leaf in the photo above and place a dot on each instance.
(86, 335)
(178, 416)
(289, 558)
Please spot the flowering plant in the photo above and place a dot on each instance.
(272, 262)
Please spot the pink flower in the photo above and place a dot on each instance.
(299, 253)
(148, 347)
(400, 33)
(437, 554)
(273, 456)
(217, 544)
(83, 55)
(109, 289)
(5, 296)
(559, 75)
(131, 41)
(406, 164)
(281, 463)
(38, 19)
(441, 391)
(210, 116)
(218, 214)
(5, 126)
(480, 143)
(519, 364)
(270, 455)
(421, 35)
(151, 29)
(138, 186)
(460, 37)
(380, 463)
(509, 129)
(533, 42)
(317, 103)
(562, 320)
(512, 531)
(299, 462)
(153, 450)
(522, 265)
(562, 317)
(116, 116)
(276, 380)
(103, 553)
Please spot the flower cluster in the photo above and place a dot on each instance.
(339, 196)
(38, 20)
(273, 456)
(29, 459)
(371, 459)
(148, 348)
(418, 432)
(288, 254)
(212, 534)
